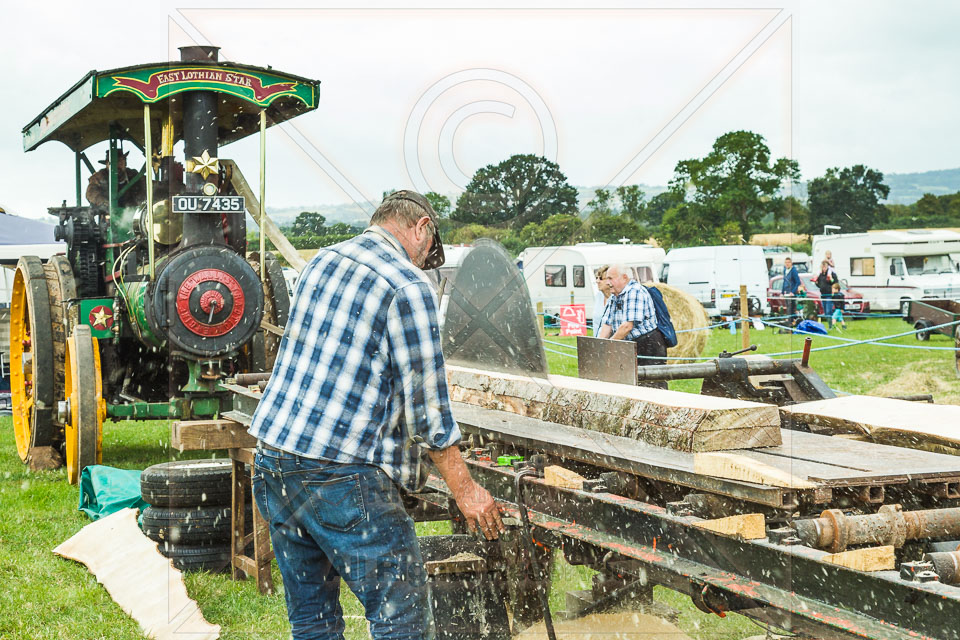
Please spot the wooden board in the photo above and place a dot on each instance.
(823, 460)
(749, 526)
(738, 467)
(870, 559)
(139, 579)
(681, 421)
(897, 422)
(193, 435)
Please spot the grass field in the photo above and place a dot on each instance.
(48, 597)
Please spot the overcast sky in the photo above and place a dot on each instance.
(422, 97)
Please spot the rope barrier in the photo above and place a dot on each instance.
(873, 341)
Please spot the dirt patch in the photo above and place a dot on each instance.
(919, 377)
(623, 625)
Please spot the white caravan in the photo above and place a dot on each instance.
(563, 275)
(890, 268)
(713, 276)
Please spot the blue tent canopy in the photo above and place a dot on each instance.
(19, 230)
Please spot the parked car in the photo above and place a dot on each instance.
(778, 305)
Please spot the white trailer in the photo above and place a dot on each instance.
(890, 268)
(567, 275)
(713, 276)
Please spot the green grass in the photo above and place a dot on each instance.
(44, 596)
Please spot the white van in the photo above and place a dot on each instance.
(567, 275)
(713, 275)
(890, 268)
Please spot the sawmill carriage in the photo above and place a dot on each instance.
(157, 298)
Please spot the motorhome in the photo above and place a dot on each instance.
(713, 276)
(891, 268)
(566, 275)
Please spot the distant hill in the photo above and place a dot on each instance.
(905, 188)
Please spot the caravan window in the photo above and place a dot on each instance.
(579, 275)
(642, 274)
(665, 273)
(920, 265)
(863, 267)
(555, 275)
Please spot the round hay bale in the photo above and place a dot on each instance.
(686, 313)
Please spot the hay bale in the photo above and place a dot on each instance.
(686, 313)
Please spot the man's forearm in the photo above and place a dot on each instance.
(605, 331)
(452, 468)
(623, 330)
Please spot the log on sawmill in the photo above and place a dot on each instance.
(681, 421)
(917, 425)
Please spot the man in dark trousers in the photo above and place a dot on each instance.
(631, 315)
(791, 286)
(357, 398)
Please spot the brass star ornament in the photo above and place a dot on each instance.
(203, 164)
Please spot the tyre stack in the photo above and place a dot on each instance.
(189, 512)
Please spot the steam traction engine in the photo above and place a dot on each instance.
(156, 299)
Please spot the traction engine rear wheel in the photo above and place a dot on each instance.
(84, 408)
(31, 359)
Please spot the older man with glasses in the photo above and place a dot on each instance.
(631, 310)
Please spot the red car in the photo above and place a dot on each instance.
(778, 305)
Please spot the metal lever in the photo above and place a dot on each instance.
(727, 354)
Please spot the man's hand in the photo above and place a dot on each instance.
(478, 508)
(474, 501)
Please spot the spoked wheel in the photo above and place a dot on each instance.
(31, 359)
(276, 310)
(83, 410)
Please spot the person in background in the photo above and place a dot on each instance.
(825, 282)
(98, 187)
(832, 267)
(631, 315)
(791, 286)
(604, 290)
(839, 305)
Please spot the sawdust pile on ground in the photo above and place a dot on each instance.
(623, 625)
(686, 313)
(920, 377)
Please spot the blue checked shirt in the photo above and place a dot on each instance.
(359, 377)
(635, 305)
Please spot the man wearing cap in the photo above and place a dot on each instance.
(357, 396)
(98, 187)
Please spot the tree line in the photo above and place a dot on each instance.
(735, 191)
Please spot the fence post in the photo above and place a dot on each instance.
(543, 325)
(745, 315)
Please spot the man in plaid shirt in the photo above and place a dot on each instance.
(357, 396)
(630, 315)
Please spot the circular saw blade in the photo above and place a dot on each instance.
(490, 323)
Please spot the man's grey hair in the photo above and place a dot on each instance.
(621, 269)
(403, 211)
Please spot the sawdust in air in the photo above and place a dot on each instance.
(623, 625)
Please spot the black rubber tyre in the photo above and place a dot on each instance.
(187, 483)
(189, 525)
(215, 559)
(919, 326)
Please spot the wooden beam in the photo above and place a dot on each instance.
(557, 476)
(749, 526)
(916, 425)
(736, 467)
(194, 435)
(869, 559)
(268, 226)
(681, 421)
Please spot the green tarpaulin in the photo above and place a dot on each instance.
(105, 490)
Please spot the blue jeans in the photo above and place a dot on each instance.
(329, 520)
(827, 305)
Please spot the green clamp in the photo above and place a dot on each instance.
(508, 461)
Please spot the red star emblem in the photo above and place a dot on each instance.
(101, 318)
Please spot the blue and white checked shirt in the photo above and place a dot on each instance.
(359, 376)
(635, 305)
